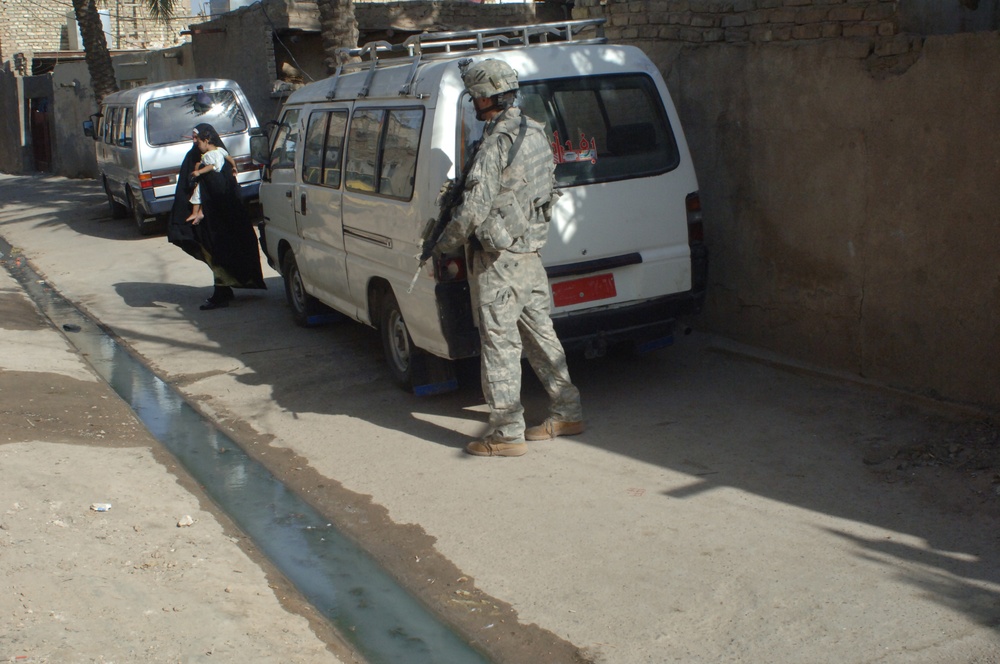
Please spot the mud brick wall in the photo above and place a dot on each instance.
(734, 21)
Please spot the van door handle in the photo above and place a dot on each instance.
(302, 203)
(288, 193)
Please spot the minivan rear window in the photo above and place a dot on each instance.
(601, 128)
(170, 119)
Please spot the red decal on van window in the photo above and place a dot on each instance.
(564, 154)
(588, 289)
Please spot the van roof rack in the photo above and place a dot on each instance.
(442, 44)
(520, 35)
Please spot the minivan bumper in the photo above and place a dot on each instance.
(647, 324)
(158, 206)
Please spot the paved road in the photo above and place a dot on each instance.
(723, 505)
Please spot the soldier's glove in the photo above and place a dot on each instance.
(445, 193)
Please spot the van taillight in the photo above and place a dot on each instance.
(157, 179)
(450, 269)
(696, 230)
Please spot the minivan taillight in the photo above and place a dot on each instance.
(696, 230)
(159, 178)
(450, 269)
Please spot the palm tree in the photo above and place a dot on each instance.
(339, 28)
(95, 46)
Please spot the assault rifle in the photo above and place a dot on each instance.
(450, 197)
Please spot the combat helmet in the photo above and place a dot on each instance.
(488, 78)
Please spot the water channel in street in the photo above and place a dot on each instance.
(367, 607)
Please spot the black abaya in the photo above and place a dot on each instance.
(225, 239)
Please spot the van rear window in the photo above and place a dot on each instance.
(602, 128)
(170, 119)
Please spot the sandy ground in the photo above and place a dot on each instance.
(723, 505)
(128, 584)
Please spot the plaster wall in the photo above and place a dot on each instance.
(14, 155)
(242, 51)
(72, 102)
(850, 204)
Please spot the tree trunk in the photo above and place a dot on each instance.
(340, 30)
(95, 47)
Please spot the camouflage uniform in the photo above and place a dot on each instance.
(502, 220)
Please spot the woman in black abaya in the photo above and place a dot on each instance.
(225, 239)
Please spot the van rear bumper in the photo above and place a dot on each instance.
(249, 193)
(640, 323)
(643, 323)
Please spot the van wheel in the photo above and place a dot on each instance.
(118, 211)
(304, 306)
(146, 225)
(400, 352)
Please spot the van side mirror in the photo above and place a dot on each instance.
(88, 129)
(260, 151)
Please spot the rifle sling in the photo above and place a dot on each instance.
(521, 131)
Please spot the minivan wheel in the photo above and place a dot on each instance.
(118, 211)
(145, 224)
(396, 342)
(303, 305)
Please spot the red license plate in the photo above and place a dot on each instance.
(588, 289)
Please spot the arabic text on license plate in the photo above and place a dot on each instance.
(588, 289)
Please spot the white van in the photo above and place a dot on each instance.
(357, 160)
(142, 134)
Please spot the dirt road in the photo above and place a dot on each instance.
(722, 506)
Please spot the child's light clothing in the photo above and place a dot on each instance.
(214, 158)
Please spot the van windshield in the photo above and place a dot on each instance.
(602, 128)
(170, 119)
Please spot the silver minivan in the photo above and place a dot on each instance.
(142, 134)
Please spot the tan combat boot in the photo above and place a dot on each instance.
(491, 446)
(553, 428)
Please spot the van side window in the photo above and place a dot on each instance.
(121, 119)
(382, 151)
(602, 128)
(334, 148)
(108, 130)
(399, 153)
(128, 128)
(101, 122)
(285, 141)
(324, 141)
(312, 153)
(362, 150)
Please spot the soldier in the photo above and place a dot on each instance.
(503, 221)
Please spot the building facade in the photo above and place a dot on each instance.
(35, 34)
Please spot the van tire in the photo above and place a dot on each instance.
(144, 224)
(118, 211)
(400, 352)
(304, 306)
